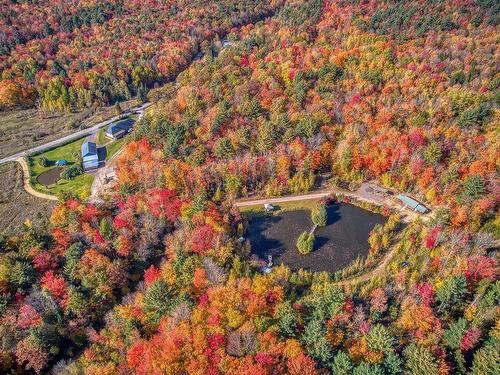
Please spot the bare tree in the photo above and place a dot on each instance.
(214, 273)
(233, 344)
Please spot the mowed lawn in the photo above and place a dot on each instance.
(70, 152)
(257, 210)
(113, 147)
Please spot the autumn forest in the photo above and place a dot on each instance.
(260, 99)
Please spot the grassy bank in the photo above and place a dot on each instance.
(306, 204)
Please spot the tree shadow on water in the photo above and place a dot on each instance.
(263, 245)
(334, 214)
(320, 242)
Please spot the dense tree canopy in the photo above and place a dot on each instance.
(158, 280)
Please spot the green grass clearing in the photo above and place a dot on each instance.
(70, 152)
(256, 210)
(101, 136)
(113, 147)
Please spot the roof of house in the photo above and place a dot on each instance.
(114, 129)
(89, 148)
(412, 203)
(123, 125)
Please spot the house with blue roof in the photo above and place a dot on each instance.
(412, 204)
(90, 158)
(119, 129)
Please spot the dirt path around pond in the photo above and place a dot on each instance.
(27, 186)
(377, 271)
(361, 194)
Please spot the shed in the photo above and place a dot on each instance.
(268, 207)
(413, 204)
(90, 158)
(61, 163)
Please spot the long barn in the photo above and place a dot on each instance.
(413, 204)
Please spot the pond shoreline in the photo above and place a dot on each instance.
(338, 244)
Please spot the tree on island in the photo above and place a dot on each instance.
(319, 216)
(305, 243)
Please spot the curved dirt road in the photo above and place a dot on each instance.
(27, 185)
(378, 270)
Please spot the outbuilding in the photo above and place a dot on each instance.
(268, 207)
(61, 163)
(413, 204)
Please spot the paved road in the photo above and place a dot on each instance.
(70, 137)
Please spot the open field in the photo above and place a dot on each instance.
(101, 136)
(341, 241)
(16, 205)
(23, 129)
(258, 210)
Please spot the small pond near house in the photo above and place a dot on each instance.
(51, 176)
(342, 240)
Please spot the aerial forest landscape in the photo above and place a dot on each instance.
(249, 187)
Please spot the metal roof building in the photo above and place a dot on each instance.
(119, 129)
(90, 158)
(413, 204)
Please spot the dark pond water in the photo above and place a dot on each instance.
(342, 240)
(51, 176)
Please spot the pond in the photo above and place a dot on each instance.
(342, 240)
(50, 177)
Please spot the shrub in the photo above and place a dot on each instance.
(72, 172)
(475, 116)
(305, 243)
(319, 216)
(44, 162)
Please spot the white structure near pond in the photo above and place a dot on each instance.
(268, 207)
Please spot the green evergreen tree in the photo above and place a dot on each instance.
(317, 346)
(487, 360)
(368, 369)
(156, 302)
(287, 319)
(473, 188)
(341, 364)
(319, 215)
(419, 360)
(305, 243)
(71, 259)
(452, 291)
(106, 228)
(454, 334)
(392, 364)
